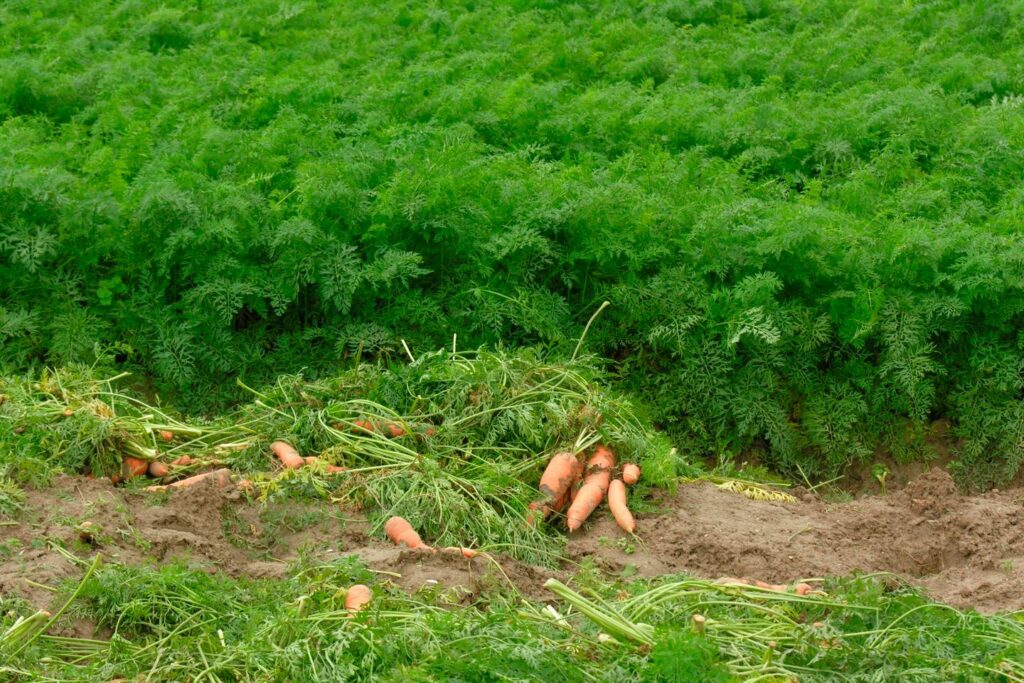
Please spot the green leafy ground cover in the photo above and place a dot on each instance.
(177, 624)
(805, 215)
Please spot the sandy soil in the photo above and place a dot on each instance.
(964, 550)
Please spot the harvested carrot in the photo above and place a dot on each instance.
(468, 553)
(617, 504)
(630, 473)
(288, 456)
(401, 533)
(166, 435)
(221, 478)
(364, 425)
(133, 467)
(312, 460)
(803, 588)
(599, 468)
(587, 499)
(394, 430)
(358, 597)
(158, 469)
(183, 460)
(559, 476)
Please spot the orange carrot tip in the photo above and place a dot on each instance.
(158, 469)
(166, 435)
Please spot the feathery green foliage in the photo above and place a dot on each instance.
(806, 215)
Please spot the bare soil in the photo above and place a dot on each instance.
(964, 550)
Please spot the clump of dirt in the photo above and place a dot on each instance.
(964, 550)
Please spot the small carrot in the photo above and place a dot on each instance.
(312, 460)
(221, 477)
(183, 460)
(617, 504)
(158, 469)
(401, 533)
(288, 456)
(133, 467)
(166, 435)
(394, 430)
(468, 553)
(803, 588)
(364, 425)
(587, 499)
(357, 597)
(630, 473)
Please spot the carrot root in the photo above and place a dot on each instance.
(587, 499)
(221, 477)
(617, 504)
(357, 597)
(630, 473)
(288, 456)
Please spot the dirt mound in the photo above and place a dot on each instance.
(218, 530)
(964, 550)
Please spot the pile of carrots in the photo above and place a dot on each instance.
(561, 485)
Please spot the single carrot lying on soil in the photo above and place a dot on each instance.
(357, 597)
(630, 473)
(221, 478)
(559, 476)
(617, 504)
(468, 553)
(288, 456)
(401, 533)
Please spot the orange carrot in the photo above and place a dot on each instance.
(599, 468)
(559, 476)
(158, 469)
(630, 473)
(288, 456)
(394, 430)
(401, 533)
(133, 467)
(468, 553)
(166, 435)
(617, 504)
(183, 460)
(312, 460)
(803, 588)
(221, 477)
(587, 498)
(357, 597)
(364, 425)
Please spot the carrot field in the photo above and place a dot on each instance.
(511, 341)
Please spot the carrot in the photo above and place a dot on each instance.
(183, 460)
(803, 588)
(357, 597)
(559, 476)
(394, 430)
(288, 456)
(364, 425)
(617, 504)
(599, 468)
(587, 498)
(133, 467)
(401, 533)
(630, 473)
(312, 460)
(166, 435)
(468, 553)
(221, 477)
(158, 469)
